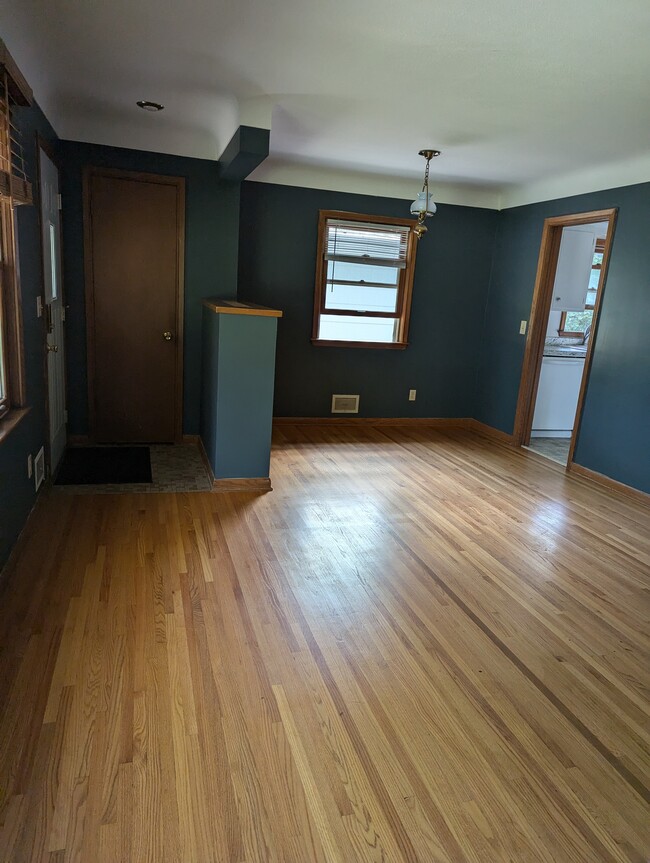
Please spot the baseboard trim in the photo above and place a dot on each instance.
(255, 484)
(84, 439)
(259, 485)
(490, 432)
(204, 458)
(78, 440)
(609, 483)
(429, 422)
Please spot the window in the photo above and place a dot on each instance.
(10, 355)
(15, 189)
(364, 280)
(576, 323)
(5, 401)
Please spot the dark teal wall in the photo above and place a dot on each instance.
(277, 258)
(17, 493)
(237, 403)
(615, 431)
(211, 238)
(464, 358)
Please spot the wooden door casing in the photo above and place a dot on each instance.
(134, 253)
(538, 320)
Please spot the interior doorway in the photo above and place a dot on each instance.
(571, 274)
(50, 222)
(134, 255)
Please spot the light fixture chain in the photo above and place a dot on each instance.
(423, 206)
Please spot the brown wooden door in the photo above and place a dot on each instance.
(134, 260)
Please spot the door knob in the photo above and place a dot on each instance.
(53, 348)
(167, 336)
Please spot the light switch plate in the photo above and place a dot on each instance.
(522, 328)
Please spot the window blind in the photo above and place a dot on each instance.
(14, 182)
(365, 243)
(5, 143)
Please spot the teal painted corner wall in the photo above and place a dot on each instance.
(474, 283)
(211, 246)
(237, 393)
(17, 493)
(277, 260)
(615, 431)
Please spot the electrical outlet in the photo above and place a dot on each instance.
(411, 395)
(522, 328)
(30, 466)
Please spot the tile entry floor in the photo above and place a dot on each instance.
(556, 448)
(173, 469)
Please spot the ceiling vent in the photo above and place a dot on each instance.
(345, 404)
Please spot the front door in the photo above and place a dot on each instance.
(134, 251)
(54, 309)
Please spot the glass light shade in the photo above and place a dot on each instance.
(421, 205)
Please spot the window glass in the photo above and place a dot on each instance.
(361, 287)
(344, 271)
(351, 328)
(360, 299)
(577, 322)
(3, 372)
(53, 259)
(4, 405)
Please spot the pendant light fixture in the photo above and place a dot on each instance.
(423, 205)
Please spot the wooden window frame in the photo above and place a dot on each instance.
(5, 291)
(11, 314)
(573, 334)
(15, 189)
(402, 312)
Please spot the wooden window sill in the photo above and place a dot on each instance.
(9, 422)
(326, 343)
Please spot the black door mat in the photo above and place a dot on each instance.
(103, 465)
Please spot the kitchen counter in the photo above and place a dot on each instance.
(568, 351)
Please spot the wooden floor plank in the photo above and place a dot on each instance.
(422, 647)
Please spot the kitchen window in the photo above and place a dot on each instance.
(364, 280)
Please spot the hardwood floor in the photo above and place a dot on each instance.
(422, 646)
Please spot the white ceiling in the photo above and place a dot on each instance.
(512, 91)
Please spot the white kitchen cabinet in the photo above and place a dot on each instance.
(557, 396)
(573, 269)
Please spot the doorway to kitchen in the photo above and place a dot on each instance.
(571, 273)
